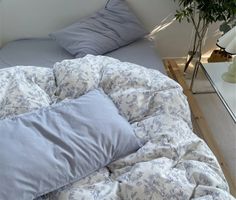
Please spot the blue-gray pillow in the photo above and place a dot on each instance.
(54, 146)
(108, 29)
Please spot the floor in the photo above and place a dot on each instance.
(218, 119)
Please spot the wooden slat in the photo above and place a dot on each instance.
(167, 69)
(200, 121)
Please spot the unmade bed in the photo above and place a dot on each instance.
(90, 114)
(98, 128)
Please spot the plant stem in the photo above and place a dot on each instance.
(200, 31)
(197, 38)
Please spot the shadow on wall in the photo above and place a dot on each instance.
(166, 26)
(211, 38)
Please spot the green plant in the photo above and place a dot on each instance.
(201, 13)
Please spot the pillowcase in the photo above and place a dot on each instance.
(44, 150)
(108, 29)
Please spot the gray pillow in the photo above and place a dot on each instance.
(54, 146)
(108, 29)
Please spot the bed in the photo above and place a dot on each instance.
(172, 162)
(46, 52)
(112, 125)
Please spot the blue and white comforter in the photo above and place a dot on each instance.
(173, 164)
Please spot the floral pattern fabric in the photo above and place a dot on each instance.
(25, 88)
(173, 164)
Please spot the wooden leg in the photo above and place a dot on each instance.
(195, 71)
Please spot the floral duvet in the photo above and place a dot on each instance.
(173, 163)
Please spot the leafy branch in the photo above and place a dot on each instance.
(201, 14)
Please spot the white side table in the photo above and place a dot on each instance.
(226, 91)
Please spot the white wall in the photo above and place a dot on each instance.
(37, 18)
(173, 40)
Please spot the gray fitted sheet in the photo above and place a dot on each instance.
(45, 52)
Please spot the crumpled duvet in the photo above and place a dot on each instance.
(174, 163)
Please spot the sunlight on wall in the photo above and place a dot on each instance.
(184, 32)
(167, 21)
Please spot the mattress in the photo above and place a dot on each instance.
(44, 52)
